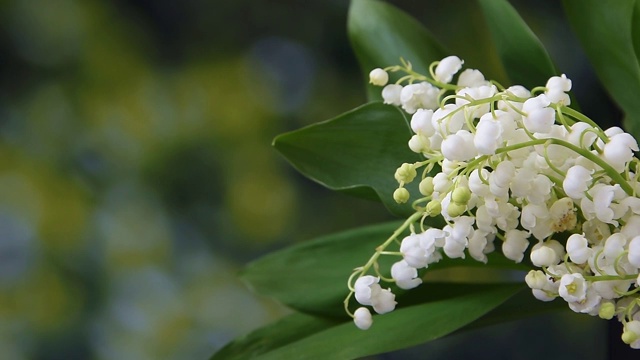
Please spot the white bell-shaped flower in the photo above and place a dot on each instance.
(406, 276)
(634, 252)
(413, 253)
(446, 121)
(611, 289)
(459, 146)
(476, 185)
(540, 117)
(391, 94)
(614, 246)
(441, 183)
(536, 219)
(419, 96)
(573, 287)
(480, 244)
(362, 318)
(619, 150)
(577, 181)
(366, 288)
(421, 122)
(475, 93)
(557, 86)
(632, 227)
(384, 301)
(458, 237)
(547, 253)
(590, 304)
(582, 135)
(471, 78)
(603, 196)
(488, 135)
(448, 67)
(578, 248)
(515, 244)
(517, 91)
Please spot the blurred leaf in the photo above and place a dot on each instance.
(301, 326)
(604, 29)
(283, 332)
(381, 34)
(399, 329)
(635, 29)
(357, 152)
(312, 276)
(524, 57)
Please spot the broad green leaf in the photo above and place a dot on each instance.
(604, 29)
(524, 57)
(296, 327)
(281, 333)
(312, 276)
(399, 329)
(381, 34)
(357, 152)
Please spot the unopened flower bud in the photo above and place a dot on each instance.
(434, 207)
(536, 279)
(426, 186)
(378, 77)
(405, 173)
(461, 195)
(631, 332)
(401, 195)
(362, 317)
(455, 209)
(607, 310)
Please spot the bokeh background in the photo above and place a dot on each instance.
(137, 176)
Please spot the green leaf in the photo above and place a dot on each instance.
(357, 152)
(291, 334)
(399, 329)
(312, 276)
(604, 29)
(635, 29)
(285, 331)
(524, 58)
(381, 34)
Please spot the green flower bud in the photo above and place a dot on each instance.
(455, 209)
(629, 336)
(426, 186)
(607, 311)
(434, 207)
(461, 195)
(401, 195)
(405, 173)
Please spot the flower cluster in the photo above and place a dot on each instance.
(519, 171)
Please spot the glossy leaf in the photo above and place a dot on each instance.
(522, 54)
(381, 34)
(401, 328)
(604, 29)
(281, 333)
(357, 152)
(293, 331)
(312, 276)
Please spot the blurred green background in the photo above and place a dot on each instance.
(136, 173)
